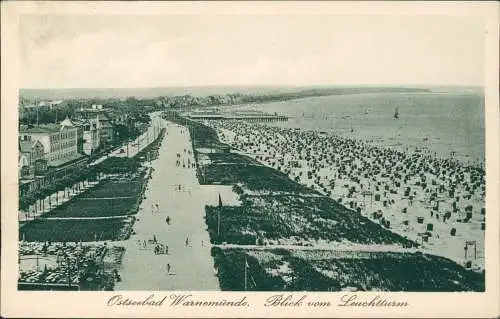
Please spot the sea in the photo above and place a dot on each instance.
(447, 121)
(445, 124)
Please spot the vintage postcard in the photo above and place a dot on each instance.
(250, 159)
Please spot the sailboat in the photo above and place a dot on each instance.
(396, 113)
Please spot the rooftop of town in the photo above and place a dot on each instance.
(43, 128)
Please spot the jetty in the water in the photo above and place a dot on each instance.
(249, 116)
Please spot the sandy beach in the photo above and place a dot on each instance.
(437, 202)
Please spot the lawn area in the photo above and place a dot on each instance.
(95, 208)
(118, 196)
(232, 168)
(242, 225)
(288, 218)
(278, 269)
(233, 158)
(202, 135)
(254, 177)
(114, 189)
(75, 230)
(109, 198)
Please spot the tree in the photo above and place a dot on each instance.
(59, 186)
(23, 203)
(51, 189)
(38, 195)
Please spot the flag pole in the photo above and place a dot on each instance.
(218, 222)
(246, 266)
(218, 215)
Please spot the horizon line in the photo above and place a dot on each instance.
(256, 86)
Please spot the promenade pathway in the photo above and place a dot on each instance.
(192, 265)
(139, 143)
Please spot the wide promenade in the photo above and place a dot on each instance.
(179, 196)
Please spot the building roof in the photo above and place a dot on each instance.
(67, 122)
(27, 146)
(105, 124)
(79, 122)
(45, 128)
(23, 160)
(92, 113)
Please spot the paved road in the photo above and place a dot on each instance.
(192, 266)
(140, 143)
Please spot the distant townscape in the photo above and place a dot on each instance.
(317, 189)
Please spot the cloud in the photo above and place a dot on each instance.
(177, 51)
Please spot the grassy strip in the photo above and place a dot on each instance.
(114, 189)
(152, 147)
(230, 158)
(96, 208)
(254, 177)
(230, 265)
(74, 230)
(202, 136)
(381, 271)
(283, 217)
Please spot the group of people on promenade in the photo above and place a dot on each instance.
(160, 248)
(181, 161)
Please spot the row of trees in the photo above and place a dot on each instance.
(75, 181)
(44, 115)
(71, 182)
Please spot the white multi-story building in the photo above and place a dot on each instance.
(59, 141)
(106, 129)
(31, 158)
(91, 135)
(88, 133)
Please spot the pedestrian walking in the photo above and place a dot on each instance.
(168, 268)
(154, 238)
(187, 241)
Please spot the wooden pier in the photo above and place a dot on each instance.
(248, 118)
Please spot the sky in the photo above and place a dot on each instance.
(126, 51)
